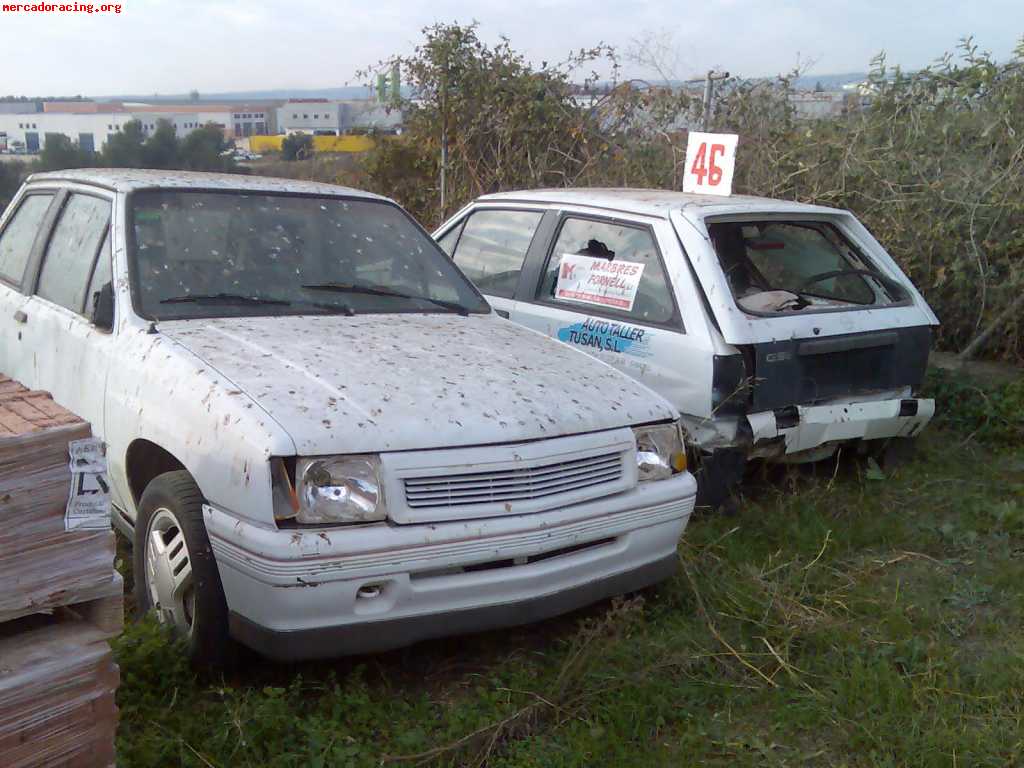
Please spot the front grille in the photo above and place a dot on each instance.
(510, 485)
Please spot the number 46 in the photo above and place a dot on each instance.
(704, 164)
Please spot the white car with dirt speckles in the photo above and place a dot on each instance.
(320, 437)
(780, 330)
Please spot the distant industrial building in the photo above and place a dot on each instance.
(325, 117)
(26, 124)
(89, 131)
(17, 107)
(825, 105)
(90, 124)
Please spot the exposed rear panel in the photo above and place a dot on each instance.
(804, 371)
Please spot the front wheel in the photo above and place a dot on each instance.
(175, 572)
(718, 475)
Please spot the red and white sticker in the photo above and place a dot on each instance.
(710, 162)
(605, 283)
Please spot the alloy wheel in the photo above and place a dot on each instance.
(169, 572)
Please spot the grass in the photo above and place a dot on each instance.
(844, 617)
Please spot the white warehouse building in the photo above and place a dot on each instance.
(91, 124)
(88, 131)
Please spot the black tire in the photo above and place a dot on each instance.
(894, 452)
(718, 475)
(209, 644)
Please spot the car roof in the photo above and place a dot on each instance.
(654, 202)
(128, 180)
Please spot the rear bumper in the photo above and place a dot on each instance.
(800, 428)
(309, 594)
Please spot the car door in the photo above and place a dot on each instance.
(489, 245)
(21, 231)
(71, 355)
(603, 285)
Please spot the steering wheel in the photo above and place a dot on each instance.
(835, 273)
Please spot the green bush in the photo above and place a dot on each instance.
(11, 176)
(59, 152)
(992, 415)
(297, 146)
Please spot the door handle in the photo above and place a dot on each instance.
(20, 317)
(501, 313)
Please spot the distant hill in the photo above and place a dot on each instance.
(828, 82)
(805, 83)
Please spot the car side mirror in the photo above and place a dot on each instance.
(103, 308)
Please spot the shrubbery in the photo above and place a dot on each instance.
(297, 146)
(992, 414)
(934, 166)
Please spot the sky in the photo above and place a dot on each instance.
(174, 46)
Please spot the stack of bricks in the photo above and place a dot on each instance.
(60, 598)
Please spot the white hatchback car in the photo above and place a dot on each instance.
(779, 330)
(319, 435)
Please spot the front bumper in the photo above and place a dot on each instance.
(801, 428)
(299, 594)
(386, 634)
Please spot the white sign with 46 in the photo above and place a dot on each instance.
(710, 161)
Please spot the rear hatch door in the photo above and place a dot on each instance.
(842, 335)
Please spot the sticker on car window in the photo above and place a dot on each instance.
(604, 283)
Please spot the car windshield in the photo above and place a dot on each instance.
(795, 266)
(217, 254)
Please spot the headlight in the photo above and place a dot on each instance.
(341, 489)
(659, 451)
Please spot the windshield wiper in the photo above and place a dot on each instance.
(377, 290)
(226, 298)
(343, 309)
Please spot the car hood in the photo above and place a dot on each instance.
(414, 381)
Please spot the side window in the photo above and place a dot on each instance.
(611, 266)
(71, 251)
(493, 247)
(16, 241)
(448, 240)
(101, 275)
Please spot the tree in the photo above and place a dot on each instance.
(201, 150)
(162, 149)
(124, 148)
(11, 176)
(59, 152)
(506, 124)
(297, 146)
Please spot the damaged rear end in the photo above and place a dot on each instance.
(822, 338)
